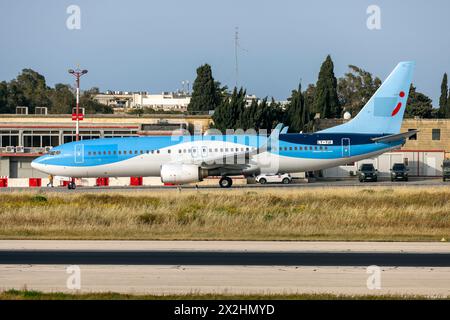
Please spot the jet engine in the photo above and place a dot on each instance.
(182, 173)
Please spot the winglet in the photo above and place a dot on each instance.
(272, 139)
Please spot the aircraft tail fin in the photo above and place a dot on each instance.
(383, 113)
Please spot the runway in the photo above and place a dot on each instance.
(224, 258)
(414, 182)
(234, 267)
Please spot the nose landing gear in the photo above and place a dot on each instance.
(72, 185)
(226, 182)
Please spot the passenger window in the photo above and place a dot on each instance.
(104, 152)
(142, 151)
(109, 152)
(135, 151)
(290, 148)
(168, 150)
(89, 153)
(179, 150)
(301, 148)
(157, 151)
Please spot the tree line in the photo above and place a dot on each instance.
(328, 98)
(29, 89)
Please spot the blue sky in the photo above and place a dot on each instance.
(153, 45)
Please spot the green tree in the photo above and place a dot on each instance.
(33, 86)
(296, 114)
(326, 98)
(15, 96)
(444, 111)
(356, 88)
(62, 99)
(90, 105)
(4, 108)
(229, 114)
(248, 116)
(268, 114)
(206, 94)
(418, 105)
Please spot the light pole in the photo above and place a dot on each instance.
(77, 73)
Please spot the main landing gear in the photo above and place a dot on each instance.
(225, 182)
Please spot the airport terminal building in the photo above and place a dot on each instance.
(25, 137)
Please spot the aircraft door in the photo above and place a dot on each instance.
(79, 153)
(346, 147)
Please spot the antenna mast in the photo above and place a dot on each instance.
(236, 45)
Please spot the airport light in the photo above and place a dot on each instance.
(77, 73)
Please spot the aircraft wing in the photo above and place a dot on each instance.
(396, 137)
(239, 159)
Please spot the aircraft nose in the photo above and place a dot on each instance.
(38, 163)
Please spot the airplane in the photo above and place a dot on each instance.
(181, 159)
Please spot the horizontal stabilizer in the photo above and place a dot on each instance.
(396, 137)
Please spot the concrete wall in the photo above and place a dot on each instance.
(19, 167)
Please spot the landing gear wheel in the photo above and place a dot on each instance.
(262, 181)
(225, 182)
(286, 181)
(71, 186)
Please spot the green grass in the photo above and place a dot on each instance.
(377, 213)
(36, 295)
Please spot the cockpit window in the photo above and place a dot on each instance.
(54, 153)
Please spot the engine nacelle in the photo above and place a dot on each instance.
(182, 173)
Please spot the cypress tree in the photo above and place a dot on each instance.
(326, 97)
(306, 117)
(295, 111)
(447, 110)
(230, 112)
(206, 92)
(443, 100)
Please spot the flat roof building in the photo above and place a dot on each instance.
(25, 137)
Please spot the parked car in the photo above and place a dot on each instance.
(446, 170)
(399, 172)
(367, 172)
(284, 178)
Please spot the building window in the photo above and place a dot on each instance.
(413, 137)
(436, 134)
